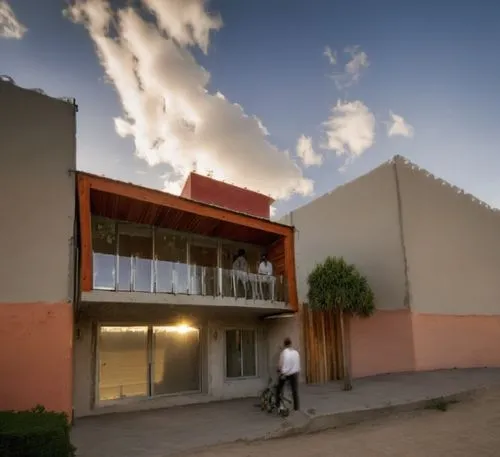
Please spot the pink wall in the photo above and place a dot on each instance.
(382, 343)
(448, 341)
(396, 341)
(36, 356)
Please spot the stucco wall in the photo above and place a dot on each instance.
(360, 222)
(382, 343)
(37, 205)
(453, 248)
(35, 356)
(38, 196)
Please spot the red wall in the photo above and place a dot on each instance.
(213, 192)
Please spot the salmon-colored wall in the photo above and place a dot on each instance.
(213, 192)
(398, 341)
(36, 356)
(450, 341)
(382, 343)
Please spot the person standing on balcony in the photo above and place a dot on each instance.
(240, 263)
(240, 271)
(266, 276)
(289, 369)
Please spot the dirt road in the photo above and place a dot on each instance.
(469, 429)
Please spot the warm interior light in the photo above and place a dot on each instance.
(183, 328)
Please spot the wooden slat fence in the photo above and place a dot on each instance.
(323, 346)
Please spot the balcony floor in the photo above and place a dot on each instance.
(109, 302)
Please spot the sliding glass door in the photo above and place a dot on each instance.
(147, 361)
(176, 360)
(123, 362)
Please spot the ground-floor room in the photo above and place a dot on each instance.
(168, 358)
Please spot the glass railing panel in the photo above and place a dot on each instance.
(124, 282)
(104, 271)
(143, 275)
(164, 276)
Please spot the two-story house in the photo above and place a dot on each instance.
(114, 296)
(166, 311)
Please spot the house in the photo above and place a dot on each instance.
(432, 256)
(115, 297)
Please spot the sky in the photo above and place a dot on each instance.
(290, 98)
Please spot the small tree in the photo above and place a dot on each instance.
(337, 287)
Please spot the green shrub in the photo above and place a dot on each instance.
(35, 433)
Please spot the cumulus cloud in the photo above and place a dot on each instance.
(358, 62)
(167, 108)
(306, 153)
(350, 130)
(330, 55)
(10, 27)
(398, 126)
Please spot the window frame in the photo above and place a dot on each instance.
(256, 346)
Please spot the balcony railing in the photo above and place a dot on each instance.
(134, 274)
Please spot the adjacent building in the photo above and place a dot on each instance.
(432, 256)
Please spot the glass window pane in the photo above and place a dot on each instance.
(248, 351)
(176, 360)
(171, 259)
(123, 362)
(135, 249)
(104, 253)
(203, 258)
(233, 353)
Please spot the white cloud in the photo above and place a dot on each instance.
(350, 129)
(398, 126)
(330, 55)
(10, 27)
(167, 108)
(306, 153)
(358, 62)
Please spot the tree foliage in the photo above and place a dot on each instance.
(335, 285)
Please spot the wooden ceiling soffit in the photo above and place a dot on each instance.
(160, 198)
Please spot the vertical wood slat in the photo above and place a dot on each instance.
(323, 346)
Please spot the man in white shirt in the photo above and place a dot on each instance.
(266, 276)
(289, 369)
(265, 267)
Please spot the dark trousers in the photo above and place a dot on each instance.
(293, 380)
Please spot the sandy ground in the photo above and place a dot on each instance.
(468, 429)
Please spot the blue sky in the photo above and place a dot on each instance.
(435, 64)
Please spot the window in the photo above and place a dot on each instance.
(147, 361)
(241, 355)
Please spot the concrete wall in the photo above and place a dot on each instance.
(453, 251)
(453, 248)
(37, 204)
(360, 221)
